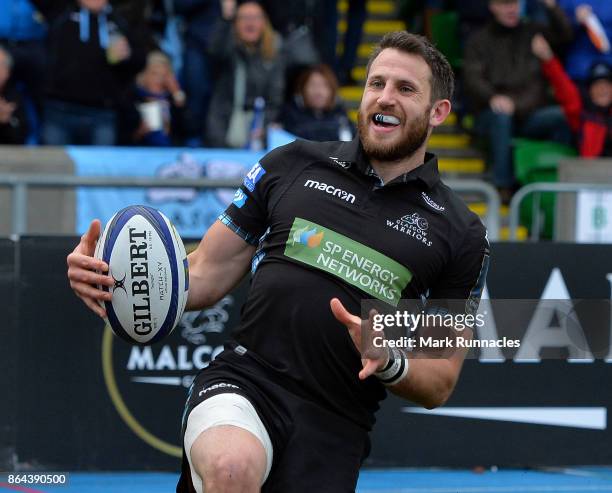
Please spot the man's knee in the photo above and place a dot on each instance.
(229, 459)
(231, 473)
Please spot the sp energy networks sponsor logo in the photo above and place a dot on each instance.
(355, 263)
(309, 237)
(331, 190)
(137, 376)
(411, 225)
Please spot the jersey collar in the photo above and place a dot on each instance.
(352, 153)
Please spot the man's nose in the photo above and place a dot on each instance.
(387, 96)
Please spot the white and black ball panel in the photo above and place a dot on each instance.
(148, 263)
(102, 240)
(183, 270)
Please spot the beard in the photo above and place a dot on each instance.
(411, 140)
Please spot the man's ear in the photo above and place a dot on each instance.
(439, 111)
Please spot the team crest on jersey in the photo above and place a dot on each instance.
(412, 225)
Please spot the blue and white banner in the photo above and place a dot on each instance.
(191, 211)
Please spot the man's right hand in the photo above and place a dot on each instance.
(82, 267)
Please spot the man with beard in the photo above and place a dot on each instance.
(287, 407)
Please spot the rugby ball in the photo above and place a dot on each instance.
(148, 263)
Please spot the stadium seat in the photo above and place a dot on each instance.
(445, 35)
(537, 161)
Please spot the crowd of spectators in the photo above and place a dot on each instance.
(516, 84)
(539, 69)
(201, 72)
(165, 72)
(504, 83)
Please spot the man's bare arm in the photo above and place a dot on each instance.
(431, 381)
(218, 264)
(431, 378)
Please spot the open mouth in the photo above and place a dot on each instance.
(386, 121)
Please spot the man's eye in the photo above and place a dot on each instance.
(376, 83)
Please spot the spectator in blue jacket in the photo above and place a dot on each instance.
(581, 54)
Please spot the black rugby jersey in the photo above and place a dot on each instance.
(327, 227)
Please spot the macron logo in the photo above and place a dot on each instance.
(330, 189)
(218, 386)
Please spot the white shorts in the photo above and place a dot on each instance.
(225, 409)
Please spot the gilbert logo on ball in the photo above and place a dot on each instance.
(148, 263)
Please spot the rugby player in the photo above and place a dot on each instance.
(288, 405)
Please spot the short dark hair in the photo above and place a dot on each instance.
(442, 80)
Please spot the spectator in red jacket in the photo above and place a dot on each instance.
(590, 114)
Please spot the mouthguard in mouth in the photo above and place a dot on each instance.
(385, 119)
